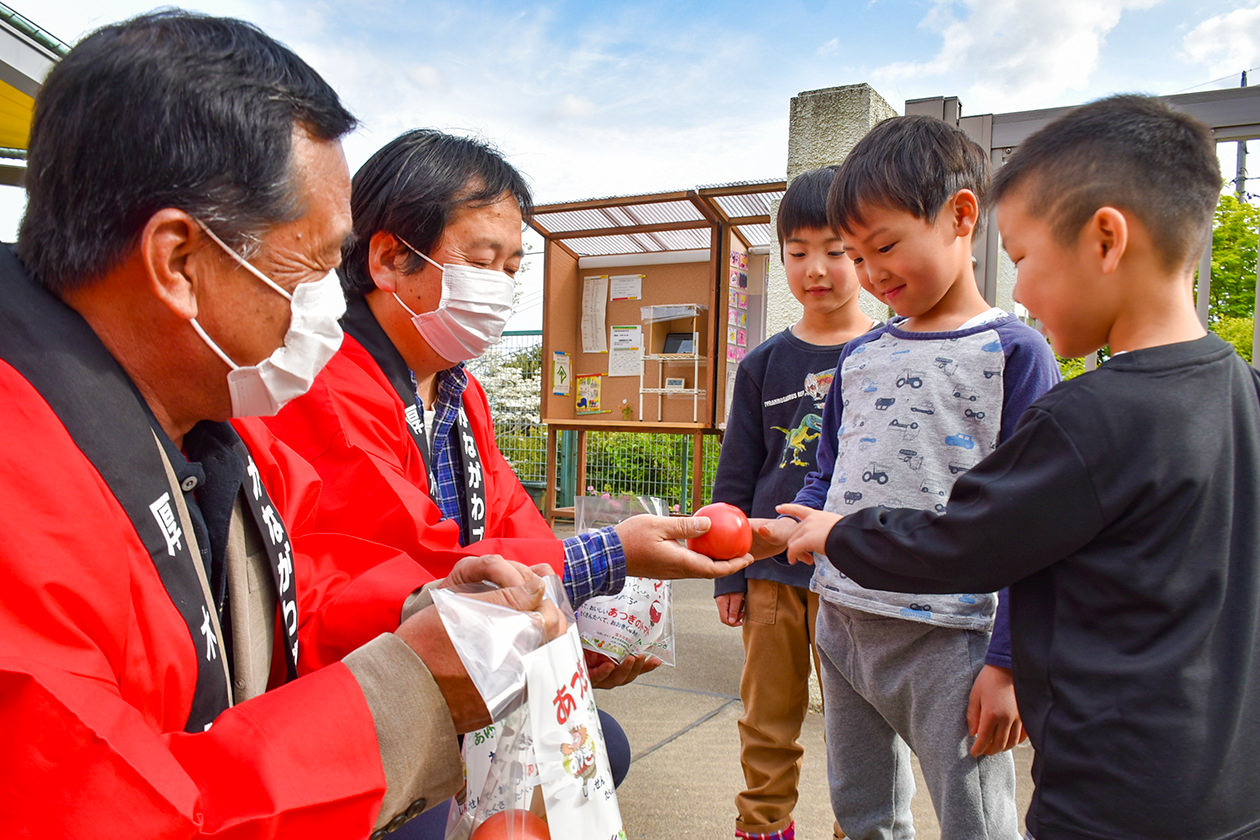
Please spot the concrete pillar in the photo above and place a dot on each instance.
(824, 125)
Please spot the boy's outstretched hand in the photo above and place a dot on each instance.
(810, 534)
(992, 714)
(770, 536)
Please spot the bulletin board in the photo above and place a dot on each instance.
(615, 351)
(641, 330)
(606, 378)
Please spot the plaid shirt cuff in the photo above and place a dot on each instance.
(594, 564)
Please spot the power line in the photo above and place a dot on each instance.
(1217, 81)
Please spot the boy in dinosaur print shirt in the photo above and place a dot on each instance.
(769, 447)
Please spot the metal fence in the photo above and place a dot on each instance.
(653, 464)
(632, 463)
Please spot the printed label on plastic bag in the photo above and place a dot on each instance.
(505, 740)
(569, 746)
(639, 619)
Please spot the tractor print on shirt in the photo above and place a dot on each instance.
(797, 440)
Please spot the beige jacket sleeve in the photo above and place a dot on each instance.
(418, 743)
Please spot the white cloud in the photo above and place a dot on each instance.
(1011, 55)
(572, 106)
(832, 47)
(582, 111)
(426, 76)
(1226, 44)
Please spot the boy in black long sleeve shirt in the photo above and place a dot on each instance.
(1124, 513)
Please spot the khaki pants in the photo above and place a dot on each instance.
(778, 645)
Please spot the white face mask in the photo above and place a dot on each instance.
(475, 306)
(313, 337)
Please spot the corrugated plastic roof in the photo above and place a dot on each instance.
(660, 222)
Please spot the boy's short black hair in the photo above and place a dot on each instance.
(804, 205)
(1131, 152)
(913, 163)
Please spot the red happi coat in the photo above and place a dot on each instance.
(351, 427)
(351, 589)
(97, 670)
(106, 677)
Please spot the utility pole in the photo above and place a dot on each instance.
(1240, 171)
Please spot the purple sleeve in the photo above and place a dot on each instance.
(1000, 642)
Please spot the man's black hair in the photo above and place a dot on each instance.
(1134, 153)
(913, 163)
(412, 186)
(169, 109)
(804, 205)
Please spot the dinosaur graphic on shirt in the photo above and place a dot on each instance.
(796, 440)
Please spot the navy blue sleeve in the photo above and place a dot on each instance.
(999, 653)
(1030, 371)
(743, 454)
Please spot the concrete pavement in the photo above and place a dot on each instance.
(681, 722)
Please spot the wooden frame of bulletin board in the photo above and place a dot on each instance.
(643, 341)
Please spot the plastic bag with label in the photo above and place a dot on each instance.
(639, 618)
(542, 767)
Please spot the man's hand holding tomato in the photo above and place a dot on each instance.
(653, 548)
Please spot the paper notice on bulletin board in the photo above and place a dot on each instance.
(625, 349)
(625, 287)
(561, 374)
(594, 310)
(588, 394)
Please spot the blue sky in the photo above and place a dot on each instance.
(593, 99)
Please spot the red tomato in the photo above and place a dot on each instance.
(729, 536)
(512, 824)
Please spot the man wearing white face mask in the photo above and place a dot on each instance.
(398, 428)
(188, 198)
(313, 337)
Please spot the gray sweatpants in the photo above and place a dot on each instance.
(890, 686)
